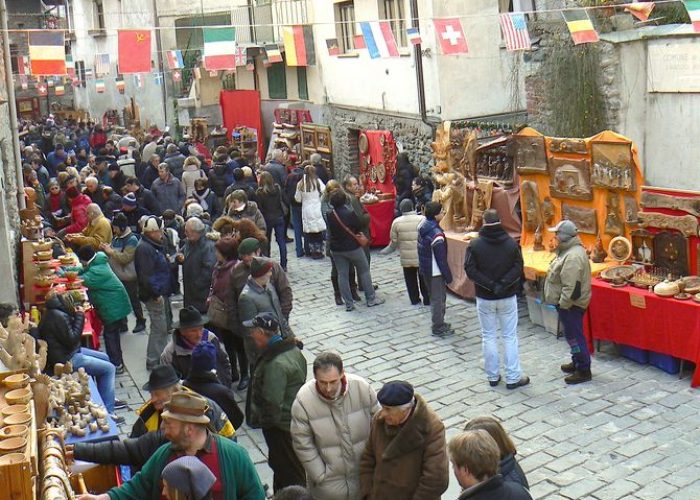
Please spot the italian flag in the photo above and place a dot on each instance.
(219, 48)
(693, 7)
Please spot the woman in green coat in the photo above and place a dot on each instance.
(108, 295)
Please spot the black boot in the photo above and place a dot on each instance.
(336, 291)
(355, 295)
(578, 377)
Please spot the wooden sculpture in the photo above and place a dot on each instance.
(18, 348)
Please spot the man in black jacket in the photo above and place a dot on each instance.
(495, 265)
(475, 455)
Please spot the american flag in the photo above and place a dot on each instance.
(102, 65)
(515, 34)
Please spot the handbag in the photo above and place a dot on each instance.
(217, 312)
(361, 238)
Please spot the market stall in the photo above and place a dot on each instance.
(377, 169)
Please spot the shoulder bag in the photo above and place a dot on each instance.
(361, 238)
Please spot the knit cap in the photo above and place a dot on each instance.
(189, 476)
(203, 357)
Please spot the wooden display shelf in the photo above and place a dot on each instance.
(20, 479)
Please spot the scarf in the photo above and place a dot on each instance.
(202, 199)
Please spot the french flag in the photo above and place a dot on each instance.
(379, 39)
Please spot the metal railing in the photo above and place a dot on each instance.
(261, 23)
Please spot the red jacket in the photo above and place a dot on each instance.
(78, 214)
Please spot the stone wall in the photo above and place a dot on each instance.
(346, 123)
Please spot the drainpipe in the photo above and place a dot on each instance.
(418, 62)
(159, 58)
(12, 105)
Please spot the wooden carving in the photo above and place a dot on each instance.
(495, 162)
(613, 219)
(671, 253)
(548, 211)
(642, 247)
(467, 163)
(686, 224)
(612, 166)
(631, 211)
(584, 218)
(18, 348)
(570, 179)
(531, 209)
(654, 200)
(569, 146)
(441, 147)
(452, 194)
(480, 202)
(530, 155)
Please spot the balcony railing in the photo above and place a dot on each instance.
(262, 23)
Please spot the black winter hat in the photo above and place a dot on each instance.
(395, 393)
(161, 377)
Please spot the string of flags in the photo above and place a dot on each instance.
(47, 56)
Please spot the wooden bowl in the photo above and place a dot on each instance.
(18, 419)
(44, 265)
(71, 275)
(44, 281)
(12, 458)
(66, 260)
(13, 445)
(19, 396)
(44, 256)
(10, 431)
(12, 409)
(16, 381)
(42, 246)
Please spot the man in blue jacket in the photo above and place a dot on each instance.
(432, 265)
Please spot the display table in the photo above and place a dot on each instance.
(381, 216)
(537, 263)
(661, 325)
(95, 437)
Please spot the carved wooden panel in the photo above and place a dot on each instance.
(570, 179)
(613, 218)
(530, 155)
(642, 247)
(671, 253)
(654, 200)
(686, 224)
(569, 146)
(494, 162)
(612, 166)
(584, 218)
(631, 211)
(531, 206)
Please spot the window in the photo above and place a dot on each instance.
(80, 72)
(277, 81)
(516, 6)
(345, 25)
(14, 54)
(98, 20)
(302, 83)
(392, 10)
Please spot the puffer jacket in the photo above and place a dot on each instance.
(311, 216)
(251, 212)
(61, 331)
(78, 214)
(178, 354)
(200, 258)
(106, 292)
(404, 235)
(406, 463)
(432, 244)
(95, 233)
(494, 263)
(568, 281)
(277, 377)
(329, 436)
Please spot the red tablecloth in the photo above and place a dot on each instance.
(664, 325)
(381, 216)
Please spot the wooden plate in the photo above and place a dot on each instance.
(692, 284)
(363, 143)
(373, 174)
(381, 173)
(624, 272)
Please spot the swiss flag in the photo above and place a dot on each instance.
(451, 36)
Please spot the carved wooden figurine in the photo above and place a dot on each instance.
(613, 220)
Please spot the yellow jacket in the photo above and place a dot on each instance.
(95, 233)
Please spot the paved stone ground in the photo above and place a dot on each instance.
(631, 433)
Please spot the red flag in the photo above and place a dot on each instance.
(134, 51)
(451, 36)
(359, 42)
(43, 90)
(640, 10)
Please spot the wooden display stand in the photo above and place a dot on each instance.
(547, 166)
(317, 139)
(18, 480)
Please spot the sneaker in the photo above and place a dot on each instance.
(444, 332)
(119, 370)
(119, 404)
(376, 301)
(117, 419)
(579, 377)
(243, 384)
(494, 383)
(520, 383)
(350, 308)
(568, 367)
(140, 327)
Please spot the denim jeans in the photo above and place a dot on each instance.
(97, 364)
(503, 314)
(572, 322)
(343, 261)
(113, 345)
(298, 230)
(280, 236)
(158, 335)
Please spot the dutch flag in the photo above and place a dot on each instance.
(379, 39)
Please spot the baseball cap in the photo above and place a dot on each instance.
(266, 321)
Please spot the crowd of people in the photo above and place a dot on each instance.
(150, 219)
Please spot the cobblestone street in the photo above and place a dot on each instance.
(631, 433)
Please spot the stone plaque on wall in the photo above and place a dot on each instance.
(673, 66)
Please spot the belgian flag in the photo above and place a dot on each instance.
(299, 45)
(580, 26)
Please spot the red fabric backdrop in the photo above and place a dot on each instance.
(241, 108)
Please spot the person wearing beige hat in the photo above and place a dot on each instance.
(185, 426)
